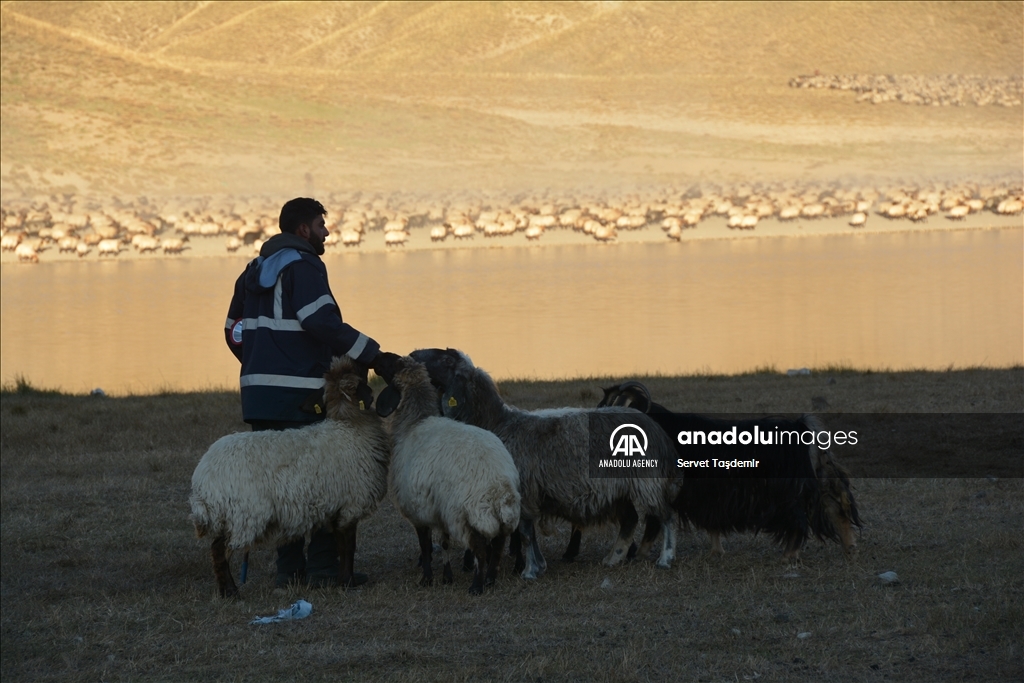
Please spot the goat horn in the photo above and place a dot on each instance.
(638, 386)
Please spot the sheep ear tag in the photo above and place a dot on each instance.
(452, 402)
(364, 396)
(388, 400)
(314, 403)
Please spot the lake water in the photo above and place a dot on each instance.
(898, 300)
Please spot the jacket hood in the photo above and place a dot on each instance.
(284, 240)
(275, 255)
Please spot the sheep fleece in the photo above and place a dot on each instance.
(271, 487)
(443, 478)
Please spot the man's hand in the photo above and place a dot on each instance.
(385, 364)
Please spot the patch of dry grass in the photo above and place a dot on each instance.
(101, 577)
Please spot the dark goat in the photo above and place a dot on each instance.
(799, 490)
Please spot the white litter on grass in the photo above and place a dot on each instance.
(300, 610)
(889, 577)
(607, 583)
(804, 636)
(798, 372)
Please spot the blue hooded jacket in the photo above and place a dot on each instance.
(284, 326)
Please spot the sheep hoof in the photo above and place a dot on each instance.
(476, 590)
(664, 564)
(613, 558)
(427, 581)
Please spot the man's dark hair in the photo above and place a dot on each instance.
(298, 211)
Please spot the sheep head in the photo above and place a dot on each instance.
(442, 363)
(631, 394)
(413, 396)
(345, 388)
(409, 374)
(838, 509)
(466, 392)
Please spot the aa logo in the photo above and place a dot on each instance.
(625, 441)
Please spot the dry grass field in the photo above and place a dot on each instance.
(102, 578)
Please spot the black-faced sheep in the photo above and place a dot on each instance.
(552, 451)
(799, 489)
(449, 476)
(271, 487)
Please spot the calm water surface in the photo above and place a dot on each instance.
(916, 299)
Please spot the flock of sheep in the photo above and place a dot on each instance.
(460, 462)
(82, 226)
(936, 91)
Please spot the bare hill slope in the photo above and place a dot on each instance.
(245, 96)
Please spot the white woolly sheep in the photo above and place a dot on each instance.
(109, 246)
(11, 240)
(26, 252)
(271, 487)
(449, 476)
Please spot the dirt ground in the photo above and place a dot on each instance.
(103, 579)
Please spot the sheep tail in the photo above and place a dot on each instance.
(508, 507)
(496, 512)
(200, 518)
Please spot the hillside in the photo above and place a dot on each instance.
(186, 97)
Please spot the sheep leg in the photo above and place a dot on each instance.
(716, 543)
(467, 561)
(221, 568)
(651, 531)
(426, 555)
(533, 567)
(573, 549)
(478, 544)
(793, 542)
(494, 559)
(346, 539)
(515, 549)
(446, 573)
(627, 525)
(538, 556)
(668, 544)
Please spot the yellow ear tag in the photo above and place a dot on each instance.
(362, 406)
(316, 407)
(452, 402)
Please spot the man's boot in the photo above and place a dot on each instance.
(323, 565)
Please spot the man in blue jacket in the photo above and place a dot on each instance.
(284, 325)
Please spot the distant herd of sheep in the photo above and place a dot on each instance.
(936, 91)
(460, 462)
(80, 226)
